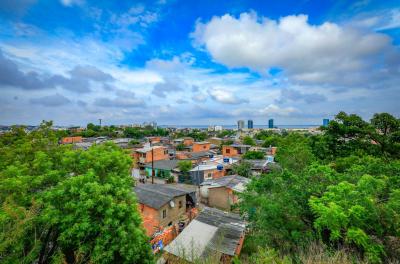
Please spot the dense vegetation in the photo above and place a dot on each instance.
(140, 132)
(60, 205)
(253, 155)
(112, 131)
(339, 190)
(196, 134)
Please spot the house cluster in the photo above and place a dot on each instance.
(187, 193)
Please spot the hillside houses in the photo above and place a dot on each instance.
(190, 208)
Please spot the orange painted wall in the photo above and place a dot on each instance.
(158, 154)
(154, 139)
(69, 140)
(228, 151)
(188, 141)
(181, 155)
(198, 147)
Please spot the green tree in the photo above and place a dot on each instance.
(294, 153)
(61, 205)
(387, 133)
(249, 141)
(253, 155)
(243, 169)
(353, 214)
(180, 147)
(184, 166)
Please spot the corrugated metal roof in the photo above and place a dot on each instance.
(234, 182)
(156, 195)
(212, 231)
(163, 164)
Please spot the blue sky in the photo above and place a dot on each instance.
(197, 62)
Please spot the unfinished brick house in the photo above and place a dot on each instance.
(163, 205)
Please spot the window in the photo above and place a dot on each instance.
(180, 204)
(228, 151)
(164, 213)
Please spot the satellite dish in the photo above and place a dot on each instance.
(172, 204)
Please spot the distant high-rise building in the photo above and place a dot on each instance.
(217, 128)
(240, 124)
(271, 123)
(249, 124)
(325, 122)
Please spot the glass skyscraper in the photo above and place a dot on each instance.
(249, 124)
(271, 123)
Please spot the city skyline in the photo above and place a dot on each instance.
(188, 62)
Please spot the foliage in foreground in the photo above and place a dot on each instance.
(341, 188)
(60, 205)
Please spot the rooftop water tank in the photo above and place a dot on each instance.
(220, 167)
(226, 160)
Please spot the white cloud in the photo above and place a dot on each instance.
(225, 96)
(273, 109)
(392, 20)
(326, 53)
(69, 3)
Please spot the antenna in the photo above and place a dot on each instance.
(100, 121)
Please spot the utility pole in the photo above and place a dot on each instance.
(152, 165)
(100, 121)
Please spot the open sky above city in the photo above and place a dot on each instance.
(197, 62)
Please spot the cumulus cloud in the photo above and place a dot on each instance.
(225, 97)
(294, 95)
(51, 100)
(80, 78)
(326, 53)
(11, 75)
(166, 87)
(273, 109)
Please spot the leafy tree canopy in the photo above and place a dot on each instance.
(61, 205)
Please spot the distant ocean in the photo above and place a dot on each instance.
(235, 126)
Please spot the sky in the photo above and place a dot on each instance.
(197, 62)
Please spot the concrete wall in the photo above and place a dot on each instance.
(221, 198)
(173, 213)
